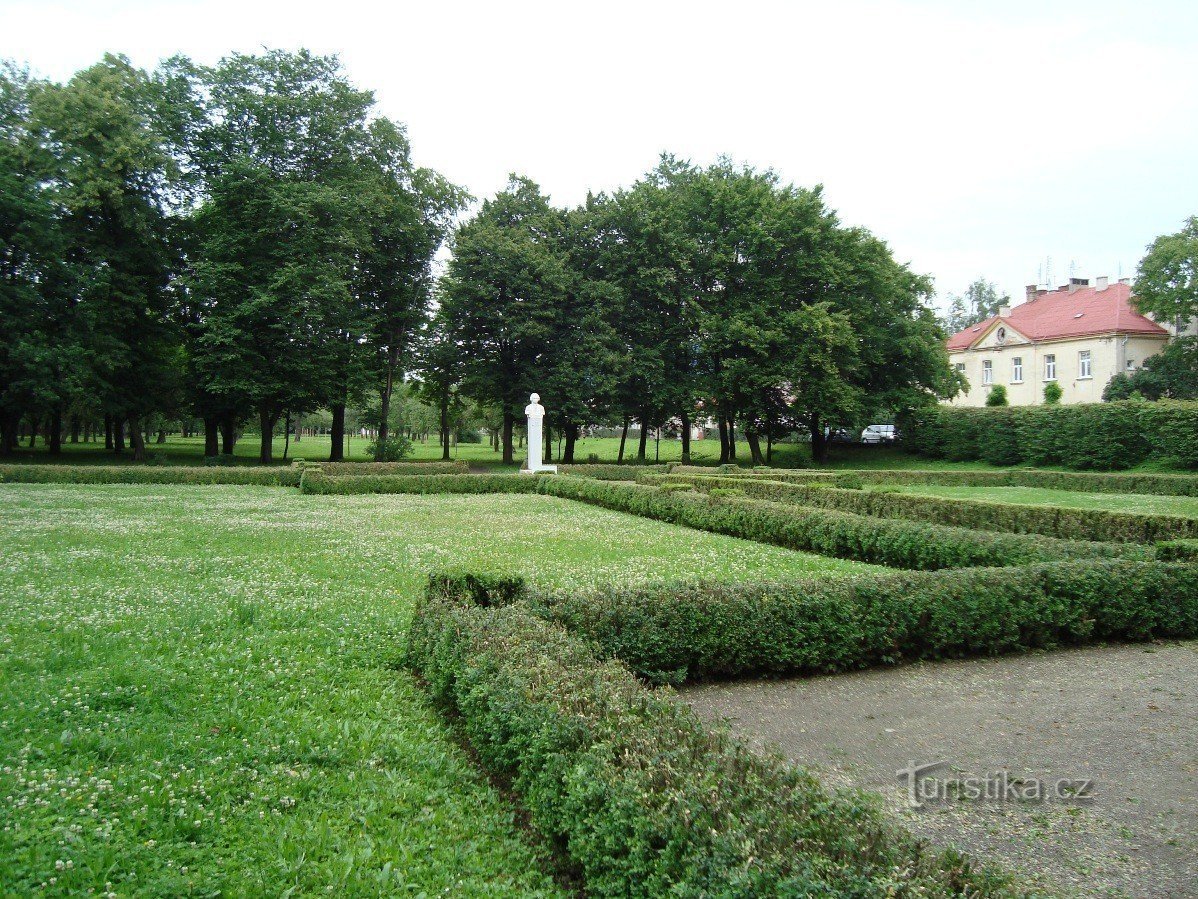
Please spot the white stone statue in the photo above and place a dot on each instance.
(535, 412)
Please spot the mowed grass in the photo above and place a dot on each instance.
(202, 690)
(1145, 504)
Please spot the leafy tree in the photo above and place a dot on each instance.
(1171, 373)
(980, 301)
(997, 396)
(1053, 393)
(1167, 281)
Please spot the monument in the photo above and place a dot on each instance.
(535, 412)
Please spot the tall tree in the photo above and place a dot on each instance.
(980, 301)
(1167, 280)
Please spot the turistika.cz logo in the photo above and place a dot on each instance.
(997, 786)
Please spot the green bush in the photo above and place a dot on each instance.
(997, 396)
(900, 544)
(679, 488)
(610, 471)
(395, 448)
(886, 502)
(1053, 393)
(429, 483)
(346, 469)
(150, 474)
(1177, 550)
(821, 625)
(641, 797)
(1100, 436)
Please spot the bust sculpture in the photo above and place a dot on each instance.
(535, 412)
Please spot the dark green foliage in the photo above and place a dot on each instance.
(1051, 521)
(1177, 550)
(152, 474)
(609, 472)
(1084, 482)
(1172, 373)
(822, 625)
(395, 448)
(900, 544)
(1053, 393)
(315, 482)
(357, 469)
(997, 396)
(1088, 435)
(642, 798)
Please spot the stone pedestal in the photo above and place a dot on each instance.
(535, 412)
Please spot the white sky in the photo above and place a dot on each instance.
(977, 138)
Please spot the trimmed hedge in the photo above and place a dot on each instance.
(1086, 435)
(1051, 521)
(315, 482)
(345, 469)
(610, 472)
(1078, 481)
(897, 543)
(642, 799)
(669, 633)
(148, 474)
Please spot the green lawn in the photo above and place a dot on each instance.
(1185, 506)
(202, 691)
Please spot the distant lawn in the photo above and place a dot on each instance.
(202, 690)
(1185, 506)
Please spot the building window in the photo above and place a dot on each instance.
(1050, 367)
(1017, 370)
(1083, 364)
(987, 372)
(960, 367)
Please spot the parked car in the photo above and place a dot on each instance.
(878, 434)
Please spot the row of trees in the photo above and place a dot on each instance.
(252, 242)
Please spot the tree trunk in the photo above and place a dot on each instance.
(640, 448)
(509, 455)
(108, 441)
(754, 446)
(8, 436)
(547, 456)
(286, 435)
(571, 439)
(337, 433)
(266, 422)
(445, 427)
(136, 441)
(299, 427)
(161, 436)
(769, 441)
(76, 427)
(623, 439)
(211, 436)
(731, 439)
(33, 423)
(56, 432)
(118, 434)
(228, 434)
(723, 425)
(686, 439)
(819, 442)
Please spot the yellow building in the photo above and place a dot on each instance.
(1078, 336)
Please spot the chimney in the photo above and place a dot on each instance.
(1125, 280)
(1078, 284)
(1101, 283)
(1029, 293)
(1004, 311)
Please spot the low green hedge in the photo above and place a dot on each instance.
(609, 472)
(1178, 550)
(1082, 436)
(1078, 481)
(318, 482)
(640, 797)
(821, 625)
(355, 469)
(148, 474)
(1051, 521)
(897, 543)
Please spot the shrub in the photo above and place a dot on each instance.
(850, 481)
(725, 491)
(1053, 393)
(1178, 550)
(901, 544)
(887, 502)
(346, 469)
(624, 471)
(150, 474)
(395, 448)
(314, 482)
(1084, 436)
(672, 488)
(820, 625)
(641, 796)
(997, 396)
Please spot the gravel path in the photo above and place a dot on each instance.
(1125, 717)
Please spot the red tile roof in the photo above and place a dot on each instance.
(1055, 314)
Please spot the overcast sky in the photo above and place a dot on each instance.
(976, 138)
